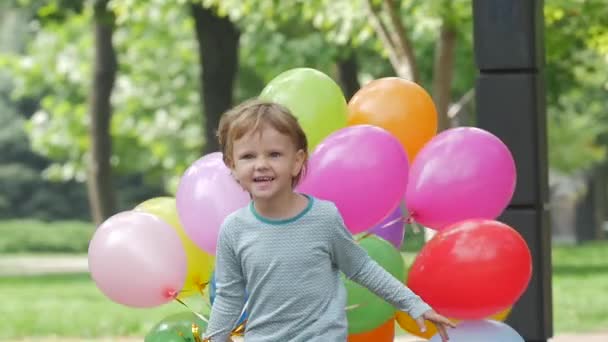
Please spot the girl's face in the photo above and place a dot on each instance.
(265, 162)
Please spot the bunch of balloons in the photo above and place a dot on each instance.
(379, 158)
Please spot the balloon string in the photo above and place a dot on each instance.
(238, 331)
(194, 312)
(352, 307)
(397, 220)
(356, 306)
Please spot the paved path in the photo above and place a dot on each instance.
(30, 265)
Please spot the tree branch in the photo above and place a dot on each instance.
(443, 71)
(401, 39)
(383, 34)
(456, 108)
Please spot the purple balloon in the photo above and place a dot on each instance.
(481, 331)
(462, 173)
(206, 195)
(362, 169)
(392, 228)
(137, 260)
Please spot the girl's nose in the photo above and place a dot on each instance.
(261, 163)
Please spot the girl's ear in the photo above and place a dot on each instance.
(299, 164)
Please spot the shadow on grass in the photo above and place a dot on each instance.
(580, 270)
(54, 278)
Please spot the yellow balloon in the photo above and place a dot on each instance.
(200, 263)
(501, 316)
(408, 324)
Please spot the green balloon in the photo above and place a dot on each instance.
(176, 328)
(372, 311)
(166, 336)
(313, 97)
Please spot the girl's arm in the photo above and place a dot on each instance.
(356, 264)
(230, 291)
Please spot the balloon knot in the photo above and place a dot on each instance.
(171, 293)
(202, 285)
(409, 219)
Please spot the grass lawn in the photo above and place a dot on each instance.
(580, 288)
(71, 305)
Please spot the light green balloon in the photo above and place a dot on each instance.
(313, 97)
(175, 328)
(373, 311)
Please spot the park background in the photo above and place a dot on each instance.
(104, 104)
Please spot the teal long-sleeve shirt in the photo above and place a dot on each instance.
(290, 270)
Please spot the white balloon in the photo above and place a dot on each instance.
(481, 331)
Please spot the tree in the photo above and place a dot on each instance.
(404, 30)
(99, 180)
(218, 41)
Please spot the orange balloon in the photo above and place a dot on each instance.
(408, 324)
(399, 106)
(383, 333)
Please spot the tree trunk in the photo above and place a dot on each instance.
(218, 40)
(394, 38)
(99, 180)
(347, 73)
(590, 209)
(442, 74)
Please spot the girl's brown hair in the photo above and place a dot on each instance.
(254, 115)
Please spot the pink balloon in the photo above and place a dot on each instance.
(206, 195)
(362, 169)
(137, 260)
(462, 173)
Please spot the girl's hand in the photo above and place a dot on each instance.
(439, 321)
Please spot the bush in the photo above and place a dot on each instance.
(32, 236)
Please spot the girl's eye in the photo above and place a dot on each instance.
(275, 154)
(247, 156)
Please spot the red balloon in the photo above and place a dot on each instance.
(472, 269)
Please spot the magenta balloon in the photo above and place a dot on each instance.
(362, 169)
(460, 174)
(137, 260)
(206, 195)
(391, 229)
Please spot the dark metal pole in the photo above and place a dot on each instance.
(510, 99)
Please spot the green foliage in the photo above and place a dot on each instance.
(156, 123)
(346, 23)
(24, 191)
(34, 236)
(157, 120)
(576, 124)
(576, 83)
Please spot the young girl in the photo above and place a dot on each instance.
(286, 249)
